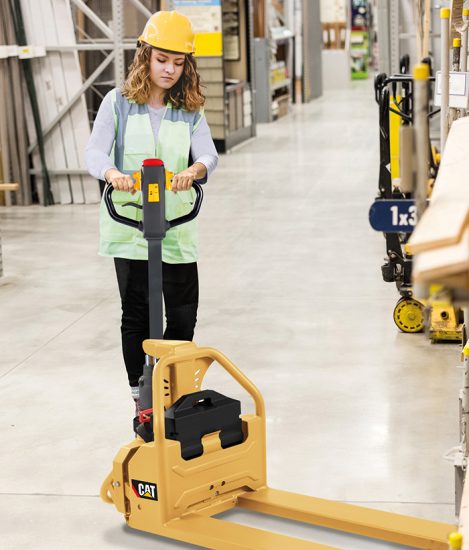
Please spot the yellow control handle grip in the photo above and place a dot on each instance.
(138, 180)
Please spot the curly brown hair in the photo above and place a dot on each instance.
(185, 94)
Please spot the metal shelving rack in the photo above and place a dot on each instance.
(397, 38)
(311, 51)
(239, 111)
(239, 97)
(282, 40)
(100, 28)
(229, 106)
(113, 47)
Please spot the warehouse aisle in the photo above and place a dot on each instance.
(291, 291)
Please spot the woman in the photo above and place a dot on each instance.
(158, 114)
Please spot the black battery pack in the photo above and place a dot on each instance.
(197, 414)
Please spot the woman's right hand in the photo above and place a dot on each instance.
(120, 181)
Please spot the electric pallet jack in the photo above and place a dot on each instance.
(195, 455)
(394, 96)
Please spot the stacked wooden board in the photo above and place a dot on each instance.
(14, 161)
(57, 77)
(440, 241)
(440, 244)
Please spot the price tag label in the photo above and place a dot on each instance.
(458, 90)
(393, 216)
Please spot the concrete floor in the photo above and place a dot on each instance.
(291, 291)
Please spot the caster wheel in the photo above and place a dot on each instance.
(408, 315)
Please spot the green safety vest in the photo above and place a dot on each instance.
(134, 143)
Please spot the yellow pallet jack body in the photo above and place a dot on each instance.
(160, 492)
(444, 322)
(440, 318)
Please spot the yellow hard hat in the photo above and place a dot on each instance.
(169, 30)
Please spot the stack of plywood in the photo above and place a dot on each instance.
(14, 162)
(57, 76)
(440, 243)
(441, 240)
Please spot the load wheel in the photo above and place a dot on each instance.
(408, 315)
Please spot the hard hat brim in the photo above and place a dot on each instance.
(166, 45)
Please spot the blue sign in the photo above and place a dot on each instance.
(393, 216)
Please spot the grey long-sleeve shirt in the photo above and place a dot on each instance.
(102, 138)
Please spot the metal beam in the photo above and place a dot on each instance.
(93, 17)
(62, 172)
(74, 99)
(118, 27)
(91, 47)
(394, 36)
(141, 8)
(444, 114)
(384, 40)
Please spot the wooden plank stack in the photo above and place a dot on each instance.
(440, 244)
(57, 77)
(440, 241)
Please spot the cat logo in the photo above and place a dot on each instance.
(143, 489)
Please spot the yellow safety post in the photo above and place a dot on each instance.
(464, 36)
(445, 14)
(456, 54)
(395, 123)
(455, 541)
(421, 76)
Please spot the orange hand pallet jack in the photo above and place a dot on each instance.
(196, 456)
(160, 492)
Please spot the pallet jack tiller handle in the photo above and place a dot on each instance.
(154, 181)
(199, 195)
(138, 224)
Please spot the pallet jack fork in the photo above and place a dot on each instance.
(203, 457)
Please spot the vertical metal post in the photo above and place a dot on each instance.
(464, 47)
(455, 67)
(384, 36)
(118, 36)
(426, 28)
(464, 42)
(456, 54)
(394, 36)
(461, 458)
(444, 16)
(421, 76)
(465, 395)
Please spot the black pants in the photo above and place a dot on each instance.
(181, 298)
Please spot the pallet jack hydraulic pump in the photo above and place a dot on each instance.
(196, 456)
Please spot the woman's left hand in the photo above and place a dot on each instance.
(184, 180)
